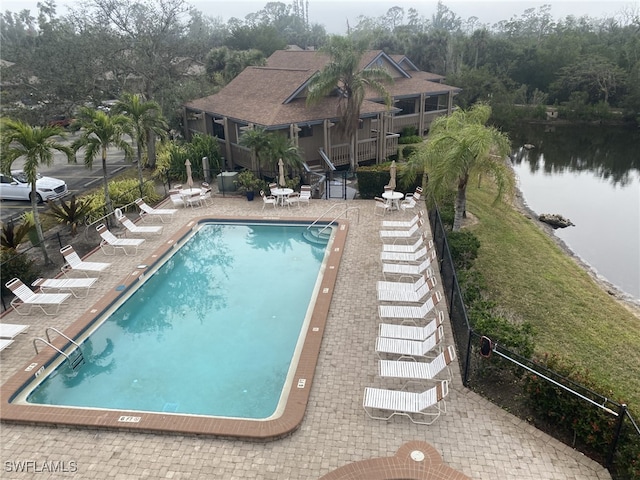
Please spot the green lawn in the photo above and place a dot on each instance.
(530, 276)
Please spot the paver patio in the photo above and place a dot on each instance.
(474, 437)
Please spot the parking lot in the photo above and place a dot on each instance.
(79, 178)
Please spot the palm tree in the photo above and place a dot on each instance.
(459, 146)
(342, 76)
(257, 140)
(99, 132)
(145, 117)
(36, 145)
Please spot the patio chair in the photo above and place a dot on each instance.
(381, 206)
(409, 312)
(407, 295)
(407, 233)
(403, 224)
(133, 228)
(74, 263)
(411, 332)
(206, 196)
(5, 343)
(407, 286)
(110, 243)
(423, 240)
(11, 331)
(194, 200)
(268, 200)
(422, 408)
(272, 186)
(410, 349)
(25, 296)
(305, 194)
(407, 257)
(293, 199)
(176, 198)
(164, 214)
(72, 285)
(411, 199)
(409, 370)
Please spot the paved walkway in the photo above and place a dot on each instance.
(474, 436)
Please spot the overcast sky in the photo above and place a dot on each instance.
(334, 14)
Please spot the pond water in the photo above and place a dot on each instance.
(591, 175)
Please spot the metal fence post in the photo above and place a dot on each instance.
(616, 435)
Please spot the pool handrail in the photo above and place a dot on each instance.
(336, 218)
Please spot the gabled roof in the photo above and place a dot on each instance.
(274, 95)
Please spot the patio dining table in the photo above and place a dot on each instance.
(281, 194)
(393, 198)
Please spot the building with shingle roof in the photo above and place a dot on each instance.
(273, 97)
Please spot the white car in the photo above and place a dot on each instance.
(16, 187)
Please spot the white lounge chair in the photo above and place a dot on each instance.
(404, 248)
(403, 224)
(407, 233)
(410, 349)
(305, 194)
(407, 286)
(133, 228)
(71, 285)
(423, 408)
(409, 269)
(164, 214)
(110, 243)
(409, 312)
(26, 296)
(5, 343)
(411, 332)
(410, 370)
(75, 263)
(406, 257)
(406, 295)
(11, 331)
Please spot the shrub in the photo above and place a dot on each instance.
(464, 248)
(72, 213)
(13, 235)
(14, 264)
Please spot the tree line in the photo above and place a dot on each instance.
(170, 52)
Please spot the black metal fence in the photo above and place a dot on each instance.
(479, 373)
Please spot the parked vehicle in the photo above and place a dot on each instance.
(16, 187)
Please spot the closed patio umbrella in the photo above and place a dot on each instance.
(392, 172)
(281, 179)
(189, 178)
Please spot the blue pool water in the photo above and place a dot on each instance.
(213, 331)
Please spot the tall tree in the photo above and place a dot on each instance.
(344, 78)
(36, 145)
(144, 117)
(99, 132)
(459, 146)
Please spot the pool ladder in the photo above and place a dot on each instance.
(75, 358)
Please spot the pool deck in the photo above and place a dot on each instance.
(336, 439)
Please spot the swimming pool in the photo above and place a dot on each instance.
(271, 279)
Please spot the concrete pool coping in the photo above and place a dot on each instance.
(298, 395)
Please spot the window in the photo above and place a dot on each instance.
(306, 131)
(408, 106)
(218, 129)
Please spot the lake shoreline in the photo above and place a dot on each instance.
(631, 303)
